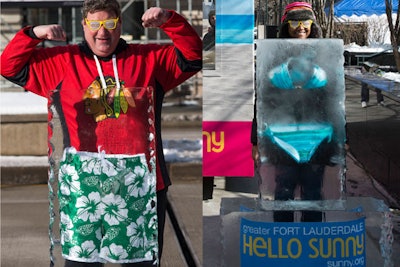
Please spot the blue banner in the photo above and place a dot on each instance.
(328, 244)
(235, 22)
(235, 29)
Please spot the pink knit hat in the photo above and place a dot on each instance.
(297, 6)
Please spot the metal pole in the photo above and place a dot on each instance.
(127, 5)
(158, 30)
(146, 30)
(190, 11)
(124, 8)
(59, 16)
(73, 21)
(178, 6)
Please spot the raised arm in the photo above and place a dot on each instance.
(23, 64)
(52, 32)
(183, 59)
(18, 52)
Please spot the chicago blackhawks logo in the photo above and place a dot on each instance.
(109, 102)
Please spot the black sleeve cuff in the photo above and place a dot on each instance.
(30, 33)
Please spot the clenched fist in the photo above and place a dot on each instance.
(154, 17)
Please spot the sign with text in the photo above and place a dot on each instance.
(227, 149)
(328, 244)
(228, 92)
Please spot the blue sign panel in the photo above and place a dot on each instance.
(235, 22)
(234, 29)
(328, 244)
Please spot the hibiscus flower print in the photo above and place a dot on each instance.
(98, 166)
(86, 250)
(88, 207)
(114, 252)
(89, 166)
(138, 186)
(66, 228)
(69, 180)
(99, 234)
(141, 234)
(108, 168)
(136, 231)
(114, 208)
(121, 164)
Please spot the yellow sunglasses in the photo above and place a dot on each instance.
(294, 24)
(108, 24)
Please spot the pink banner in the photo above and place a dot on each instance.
(227, 149)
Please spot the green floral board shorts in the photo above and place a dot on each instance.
(107, 208)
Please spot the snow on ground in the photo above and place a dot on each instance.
(376, 48)
(17, 103)
(174, 151)
(183, 150)
(394, 76)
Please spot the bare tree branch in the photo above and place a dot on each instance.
(394, 31)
